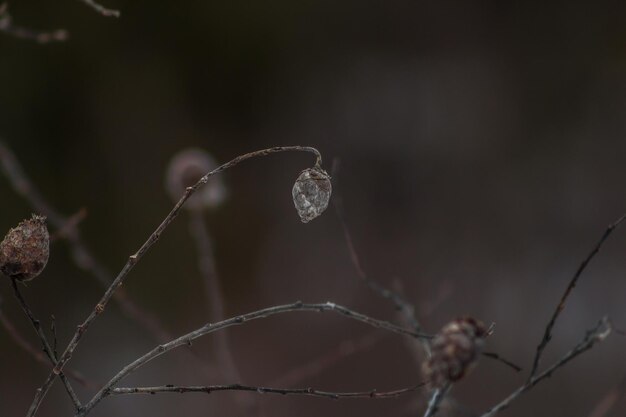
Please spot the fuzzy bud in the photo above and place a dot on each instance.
(311, 193)
(455, 349)
(185, 169)
(25, 249)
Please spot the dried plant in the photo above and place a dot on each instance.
(450, 354)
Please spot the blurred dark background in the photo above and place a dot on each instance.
(482, 149)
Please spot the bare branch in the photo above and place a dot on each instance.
(593, 336)
(44, 341)
(210, 328)
(493, 355)
(606, 404)
(7, 26)
(265, 390)
(133, 259)
(101, 9)
(561, 305)
(435, 401)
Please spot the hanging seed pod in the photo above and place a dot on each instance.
(311, 193)
(185, 169)
(25, 249)
(455, 350)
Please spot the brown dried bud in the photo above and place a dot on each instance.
(311, 193)
(25, 249)
(185, 169)
(454, 350)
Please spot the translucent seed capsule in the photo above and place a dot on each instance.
(311, 193)
(25, 249)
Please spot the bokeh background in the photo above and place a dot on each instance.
(482, 149)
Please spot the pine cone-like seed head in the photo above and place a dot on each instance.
(25, 249)
(311, 193)
(455, 350)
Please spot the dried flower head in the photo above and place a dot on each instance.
(25, 249)
(185, 169)
(454, 350)
(311, 193)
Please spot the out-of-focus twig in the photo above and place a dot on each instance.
(435, 401)
(547, 336)
(403, 305)
(213, 292)
(593, 336)
(607, 403)
(7, 26)
(101, 9)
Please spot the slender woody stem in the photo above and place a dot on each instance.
(210, 328)
(436, 399)
(561, 305)
(44, 341)
(265, 390)
(593, 336)
(133, 259)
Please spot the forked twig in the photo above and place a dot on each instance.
(44, 341)
(265, 390)
(210, 328)
(561, 305)
(34, 352)
(133, 259)
(593, 336)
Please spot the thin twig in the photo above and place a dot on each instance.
(435, 401)
(133, 259)
(36, 353)
(593, 336)
(493, 355)
(213, 293)
(400, 303)
(210, 328)
(101, 9)
(44, 341)
(266, 390)
(82, 256)
(7, 26)
(561, 305)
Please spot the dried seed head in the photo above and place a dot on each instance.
(454, 350)
(185, 169)
(311, 193)
(25, 249)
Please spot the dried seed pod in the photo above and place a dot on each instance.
(311, 193)
(185, 169)
(25, 249)
(454, 350)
